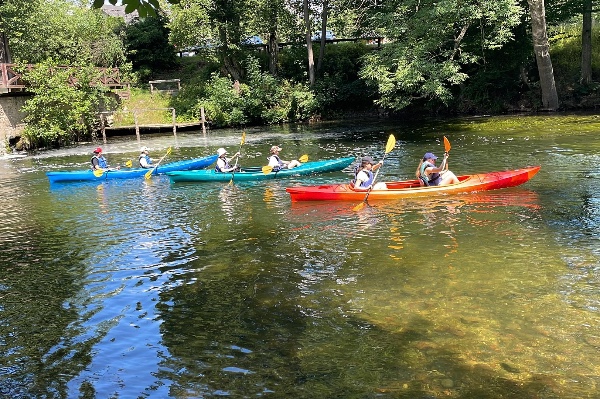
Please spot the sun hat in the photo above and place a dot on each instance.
(221, 151)
(275, 148)
(429, 155)
(98, 150)
(144, 149)
(367, 160)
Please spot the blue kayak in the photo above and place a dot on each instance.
(126, 173)
(256, 173)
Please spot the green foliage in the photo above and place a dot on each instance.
(38, 30)
(431, 42)
(63, 110)
(148, 48)
(262, 99)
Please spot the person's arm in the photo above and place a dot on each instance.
(377, 165)
(273, 162)
(95, 165)
(144, 163)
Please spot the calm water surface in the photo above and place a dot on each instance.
(147, 289)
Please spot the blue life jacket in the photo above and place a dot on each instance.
(369, 181)
(148, 160)
(280, 164)
(101, 162)
(227, 165)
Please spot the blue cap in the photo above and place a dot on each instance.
(429, 155)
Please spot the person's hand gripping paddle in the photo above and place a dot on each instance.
(148, 174)
(237, 159)
(391, 143)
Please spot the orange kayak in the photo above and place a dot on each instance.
(412, 188)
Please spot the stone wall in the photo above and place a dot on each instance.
(11, 119)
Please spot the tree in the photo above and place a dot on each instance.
(145, 8)
(430, 43)
(541, 48)
(148, 47)
(586, 43)
(309, 48)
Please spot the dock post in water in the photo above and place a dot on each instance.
(174, 122)
(203, 120)
(137, 127)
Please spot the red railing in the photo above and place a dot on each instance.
(13, 80)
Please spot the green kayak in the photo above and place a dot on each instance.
(256, 173)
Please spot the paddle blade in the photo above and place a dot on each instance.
(168, 151)
(148, 174)
(391, 143)
(359, 206)
(243, 139)
(267, 169)
(446, 144)
(129, 164)
(303, 158)
(98, 172)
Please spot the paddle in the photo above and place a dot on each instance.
(268, 169)
(391, 143)
(238, 158)
(446, 149)
(100, 172)
(446, 144)
(148, 174)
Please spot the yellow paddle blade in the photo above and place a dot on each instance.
(391, 143)
(359, 206)
(243, 139)
(98, 172)
(303, 158)
(129, 164)
(446, 144)
(168, 151)
(267, 169)
(149, 173)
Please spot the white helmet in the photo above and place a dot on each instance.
(144, 149)
(221, 151)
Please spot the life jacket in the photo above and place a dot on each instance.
(227, 165)
(101, 162)
(280, 164)
(431, 180)
(148, 160)
(369, 181)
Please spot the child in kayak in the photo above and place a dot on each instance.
(223, 163)
(431, 175)
(364, 176)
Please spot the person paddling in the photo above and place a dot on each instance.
(431, 175)
(98, 160)
(277, 163)
(144, 158)
(364, 177)
(224, 163)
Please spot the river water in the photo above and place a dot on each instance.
(147, 289)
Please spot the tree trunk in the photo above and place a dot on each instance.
(542, 54)
(273, 52)
(273, 45)
(323, 34)
(4, 50)
(586, 43)
(311, 59)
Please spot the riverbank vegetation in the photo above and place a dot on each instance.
(258, 62)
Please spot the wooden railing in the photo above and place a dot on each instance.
(11, 79)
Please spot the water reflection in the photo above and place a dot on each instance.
(146, 288)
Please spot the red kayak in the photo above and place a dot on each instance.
(412, 188)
